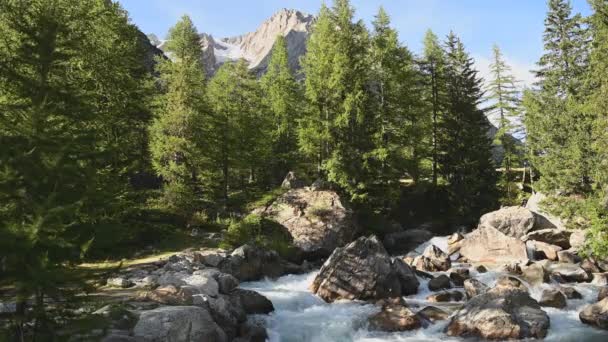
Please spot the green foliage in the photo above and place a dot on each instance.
(176, 134)
(254, 229)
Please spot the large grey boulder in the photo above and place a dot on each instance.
(248, 263)
(177, 324)
(544, 220)
(364, 270)
(406, 241)
(541, 250)
(557, 237)
(553, 298)
(433, 259)
(318, 221)
(511, 221)
(395, 316)
(500, 315)
(596, 314)
(488, 245)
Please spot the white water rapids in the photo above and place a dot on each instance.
(300, 316)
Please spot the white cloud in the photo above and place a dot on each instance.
(521, 71)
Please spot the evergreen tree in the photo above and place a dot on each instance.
(433, 68)
(396, 125)
(466, 157)
(239, 126)
(70, 77)
(176, 141)
(558, 128)
(502, 93)
(283, 99)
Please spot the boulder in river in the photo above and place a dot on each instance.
(568, 273)
(440, 282)
(596, 314)
(542, 250)
(364, 270)
(318, 221)
(432, 314)
(474, 287)
(557, 237)
(603, 293)
(433, 259)
(570, 292)
(553, 298)
(568, 256)
(490, 246)
(512, 221)
(500, 315)
(535, 274)
(395, 316)
(446, 296)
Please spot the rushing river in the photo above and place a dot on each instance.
(301, 316)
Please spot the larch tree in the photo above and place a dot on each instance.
(284, 101)
(503, 95)
(176, 141)
(466, 150)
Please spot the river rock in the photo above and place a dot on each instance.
(535, 274)
(212, 258)
(596, 314)
(440, 282)
(318, 221)
(500, 315)
(553, 298)
(395, 317)
(544, 220)
(600, 279)
(459, 275)
(603, 293)
(249, 263)
(557, 237)
(589, 266)
(474, 287)
(543, 250)
(568, 257)
(567, 273)
(433, 259)
(432, 314)
(570, 292)
(481, 269)
(252, 302)
(489, 245)
(364, 270)
(177, 323)
(508, 283)
(454, 243)
(512, 221)
(406, 241)
(446, 296)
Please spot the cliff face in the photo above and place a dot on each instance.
(256, 47)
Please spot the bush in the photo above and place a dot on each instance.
(254, 229)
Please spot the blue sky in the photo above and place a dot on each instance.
(515, 25)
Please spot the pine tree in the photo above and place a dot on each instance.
(503, 95)
(175, 141)
(283, 98)
(67, 96)
(558, 127)
(240, 134)
(433, 65)
(466, 157)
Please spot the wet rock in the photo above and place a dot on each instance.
(490, 246)
(454, 243)
(395, 317)
(553, 298)
(603, 293)
(596, 314)
(500, 315)
(119, 282)
(474, 287)
(226, 283)
(253, 302)
(535, 274)
(177, 323)
(570, 292)
(364, 270)
(508, 283)
(459, 275)
(557, 237)
(568, 273)
(317, 221)
(432, 314)
(589, 266)
(440, 282)
(446, 296)
(542, 250)
(600, 279)
(252, 331)
(433, 260)
(481, 269)
(568, 257)
(512, 221)
(406, 241)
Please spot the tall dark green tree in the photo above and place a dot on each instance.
(503, 95)
(433, 69)
(240, 127)
(466, 150)
(71, 76)
(283, 99)
(558, 128)
(176, 141)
